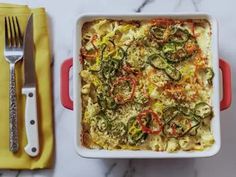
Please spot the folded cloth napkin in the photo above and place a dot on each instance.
(21, 160)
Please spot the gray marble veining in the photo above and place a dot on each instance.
(177, 5)
(195, 4)
(144, 3)
(130, 171)
(68, 163)
(109, 170)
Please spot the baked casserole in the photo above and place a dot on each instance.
(147, 85)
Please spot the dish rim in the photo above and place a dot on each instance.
(215, 123)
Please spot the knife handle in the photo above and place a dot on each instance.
(31, 121)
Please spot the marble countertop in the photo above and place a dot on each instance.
(67, 163)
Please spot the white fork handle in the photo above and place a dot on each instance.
(31, 121)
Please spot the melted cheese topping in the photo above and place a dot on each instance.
(157, 65)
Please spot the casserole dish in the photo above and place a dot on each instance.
(215, 123)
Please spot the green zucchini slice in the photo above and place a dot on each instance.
(157, 61)
(202, 110)
(173, 73)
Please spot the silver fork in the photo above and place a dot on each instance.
(13, 53)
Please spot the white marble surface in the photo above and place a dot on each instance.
(67, 163)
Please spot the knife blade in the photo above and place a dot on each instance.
(29, 90)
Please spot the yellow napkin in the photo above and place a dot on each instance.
(21, 160)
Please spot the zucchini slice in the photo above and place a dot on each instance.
(119, 54)
(173, 73)
(102, 123)
(106, 102)
(185, 110)
(177, 56)
(174, 52)
(111, 104)
(169, 113)
(110, 67)
(209, 74)
(202, 110)
(180, 125)
(169, 47)
(158, 32)
(180, 36)
(157, 61)
(135, 133)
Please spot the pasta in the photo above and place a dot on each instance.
(147, 85)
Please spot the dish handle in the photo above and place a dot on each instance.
(68, 103)
(65, 73)
(226, 80)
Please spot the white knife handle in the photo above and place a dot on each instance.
(31, 122)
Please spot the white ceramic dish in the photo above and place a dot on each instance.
(66, 101)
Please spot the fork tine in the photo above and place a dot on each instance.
(19, 32)
(12, 43)
(6, 33)
(15, 33)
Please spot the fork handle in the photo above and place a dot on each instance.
(13, 139)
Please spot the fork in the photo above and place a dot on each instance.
(13, 53)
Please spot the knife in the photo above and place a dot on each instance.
(29, 90)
